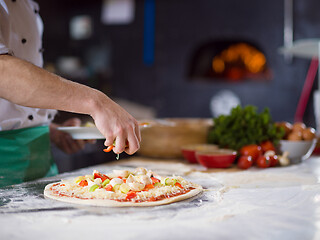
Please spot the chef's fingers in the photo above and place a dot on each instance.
(109, 141)
(120, 144)
(137, 132)
(133, 144)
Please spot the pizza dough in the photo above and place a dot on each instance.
(123, 188)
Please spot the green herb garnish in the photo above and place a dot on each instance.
(244, 126)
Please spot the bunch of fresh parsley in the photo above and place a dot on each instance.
(244, 126)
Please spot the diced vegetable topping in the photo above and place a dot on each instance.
(93, 188)
(100, 175)
(149, 186)
(155, 180)
(105, 182)
(109, 148)
(108, 187)
(131, 195)
(83, 183)
(116, 187)
(78, 179)
(124, 188)
(157, 184)
(169, 181)
(91, 177)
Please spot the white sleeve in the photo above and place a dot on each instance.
(4, 29)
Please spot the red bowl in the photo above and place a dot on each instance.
(189, 151)
(221, 158)
(189, 155)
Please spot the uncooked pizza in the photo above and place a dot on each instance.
(122, 188)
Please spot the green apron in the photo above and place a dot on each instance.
(25, 155)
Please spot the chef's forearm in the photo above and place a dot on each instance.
(26, 84)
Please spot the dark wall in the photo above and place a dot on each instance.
(181, 27)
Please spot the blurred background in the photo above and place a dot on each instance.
(181, 58)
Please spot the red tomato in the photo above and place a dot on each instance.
(274, 160)
(148, 187)
(152, 199)
(154, 180)
(83, 183)
(100, 175)
(263, 161)
(267, 146)
(108, 187)
(244, 162)
(252, 150)
(131, 194)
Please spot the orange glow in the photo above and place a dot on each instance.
(256, 63)
(218, 65)
(239, 56)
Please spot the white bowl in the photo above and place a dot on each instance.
(298, 150)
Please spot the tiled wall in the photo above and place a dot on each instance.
(180, 27)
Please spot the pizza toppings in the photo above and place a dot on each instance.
(146, 180)
(108, 187)
(97, 174)
(83, 183)
(116, 181)
(140, 171)
(93, 187)
(121, 173)
(105, 182)
(135, 186)
(169, 181)
(131, 195)
(124, 188)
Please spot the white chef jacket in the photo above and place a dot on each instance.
(20, 35)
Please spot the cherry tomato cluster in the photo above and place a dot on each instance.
(262, 156)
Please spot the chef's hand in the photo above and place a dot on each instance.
(63, 140)
(118, 126)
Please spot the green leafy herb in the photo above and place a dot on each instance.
(244, 126)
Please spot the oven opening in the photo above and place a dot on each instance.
(229, 61)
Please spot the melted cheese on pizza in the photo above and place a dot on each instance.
(122, 185)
